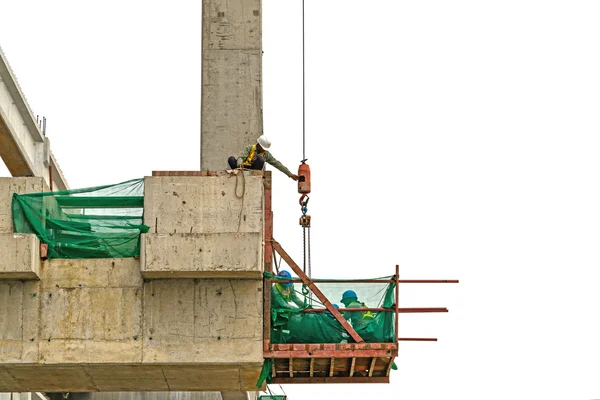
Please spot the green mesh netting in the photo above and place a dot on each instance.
(99, 222)
(290, 325)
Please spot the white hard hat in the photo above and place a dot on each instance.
(264, 142)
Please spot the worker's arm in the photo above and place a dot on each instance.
(297, 300)
(277, 301)
(353, 315)
(244, 155)
(273, 161)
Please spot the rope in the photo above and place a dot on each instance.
(275, 262)
(243, 195)
(309, 267)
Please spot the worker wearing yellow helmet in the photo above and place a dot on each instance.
(255, 155)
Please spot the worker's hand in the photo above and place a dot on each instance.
(294, 177)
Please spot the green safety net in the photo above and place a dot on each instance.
(289, 324)
(98, 222)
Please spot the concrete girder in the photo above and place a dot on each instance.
(23, 147)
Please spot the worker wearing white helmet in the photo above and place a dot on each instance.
(254, 156)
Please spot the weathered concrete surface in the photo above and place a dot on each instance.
(20, 257)
(231, 79)
(111, 378)
(146, 396)
(8, 186)
(207, 255)
(187, 204)
(203, 320)
(95, 325)
(204, 227)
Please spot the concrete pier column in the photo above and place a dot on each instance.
(231, 79)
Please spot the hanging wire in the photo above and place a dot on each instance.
(303, 90)
(304, 249)
(308, 245)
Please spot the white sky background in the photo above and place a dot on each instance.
(459, 139)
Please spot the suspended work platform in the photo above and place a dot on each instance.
(327, 343)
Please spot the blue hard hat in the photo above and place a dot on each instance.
(330, 314)
(349, 294)
(286, 275)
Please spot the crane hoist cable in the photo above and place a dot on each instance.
(304, 171)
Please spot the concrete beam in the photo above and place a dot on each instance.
(23, 147)
(239, 395)
(95, 325)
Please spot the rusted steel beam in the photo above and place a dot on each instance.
(339, 280)
(306, 280)
(389, 366)
(341, 379)
(400, 310)
(397, 277)
(266, 314)
(372, 280)
(417, 339)
(312, 367)
(322, 310)
(332, 346)
(329, 353)
(372, 367)
(268, 222)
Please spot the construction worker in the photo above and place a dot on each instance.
(285, 304)
(254, 156)
(359, 319)
(283, 295)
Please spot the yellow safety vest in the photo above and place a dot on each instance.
(281, 289)
(250, 158)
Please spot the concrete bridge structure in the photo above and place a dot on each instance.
(187, 315)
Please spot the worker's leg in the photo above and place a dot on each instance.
(258, 163)
(232, 162)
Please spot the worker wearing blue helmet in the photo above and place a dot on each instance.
(359, 319)
(283, 294)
